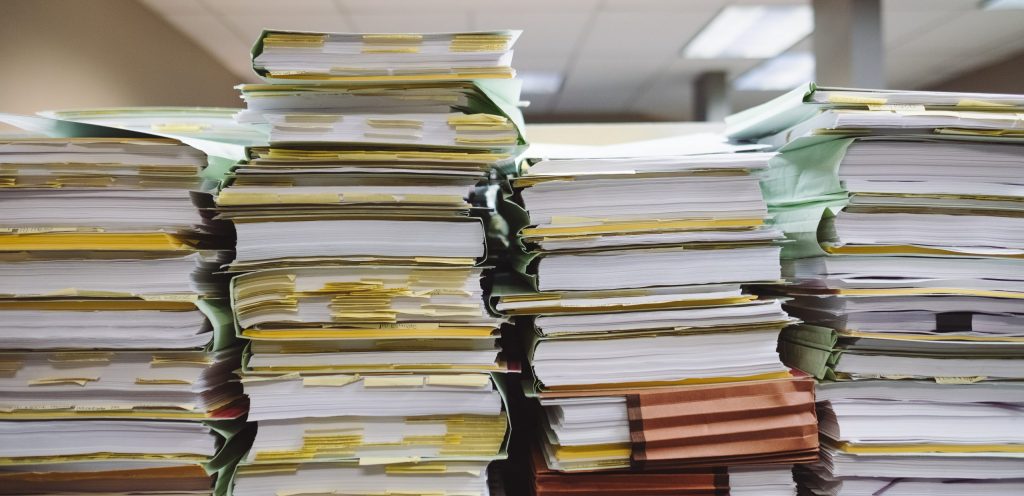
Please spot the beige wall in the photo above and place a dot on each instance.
(78, 53)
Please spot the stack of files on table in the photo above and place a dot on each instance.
(906, 215)
(116, 374)
(373, 365)
(646, 350)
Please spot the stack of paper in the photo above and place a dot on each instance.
(767, 480)
(646, 350)
(357, 277)
(375, 57)
(116, 375)
(907, 266)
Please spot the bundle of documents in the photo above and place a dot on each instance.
(116, 374)
(907, 268)
(357, 276)
(768, 480)
(283, 56)
(646, 351)
(919, 437)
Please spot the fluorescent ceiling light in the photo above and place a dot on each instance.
(1002, 4)
(785, 72)
(752, 32)
(540, 82)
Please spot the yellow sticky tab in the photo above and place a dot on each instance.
(370, 198)
(395, 123)
(329, 380)
(971, 102)
(293, 40)
(477, 119)
(959, 380)
(459, 380)
(392, 381)
(312, 118)
(387, 460)
(392, 38)
(172, 359)
(929, 448)
(179, 127)
(190, 298)
(929, 291)
(93, 241)
(419, 468)
(897, 107)
(855, 99)
(317, 198)
(161, 382)
(82, 356)
(56, 381)
(10, 368)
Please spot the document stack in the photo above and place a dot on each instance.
(116, 374)
(357, 272)
(906, 215)
(646, 350)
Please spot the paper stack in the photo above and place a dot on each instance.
(116, 375)
(647, 352)
(907, 265)
(735, 481)
(358, 279)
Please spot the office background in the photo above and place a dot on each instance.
(581, 60)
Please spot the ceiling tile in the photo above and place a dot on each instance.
(602, 85)
(637, 34)
(289, 7)
(249, 26)
(687, 5)
(420, 22)
(549, 35)
(178, 7)
(400, 7)
(662, 5)
(455, 6)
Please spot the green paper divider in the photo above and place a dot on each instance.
(218, 312)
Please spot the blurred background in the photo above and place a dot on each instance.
(580, 60)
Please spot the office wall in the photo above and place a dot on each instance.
(1005, 76)
(76, 53)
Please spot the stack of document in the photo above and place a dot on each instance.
(116, 374)
(357, 276)
(646, 350)
(767, 480)
(905, 211)
(374, 57)
(920, 437)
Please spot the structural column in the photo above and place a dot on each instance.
(848, 45)
(711, 97)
